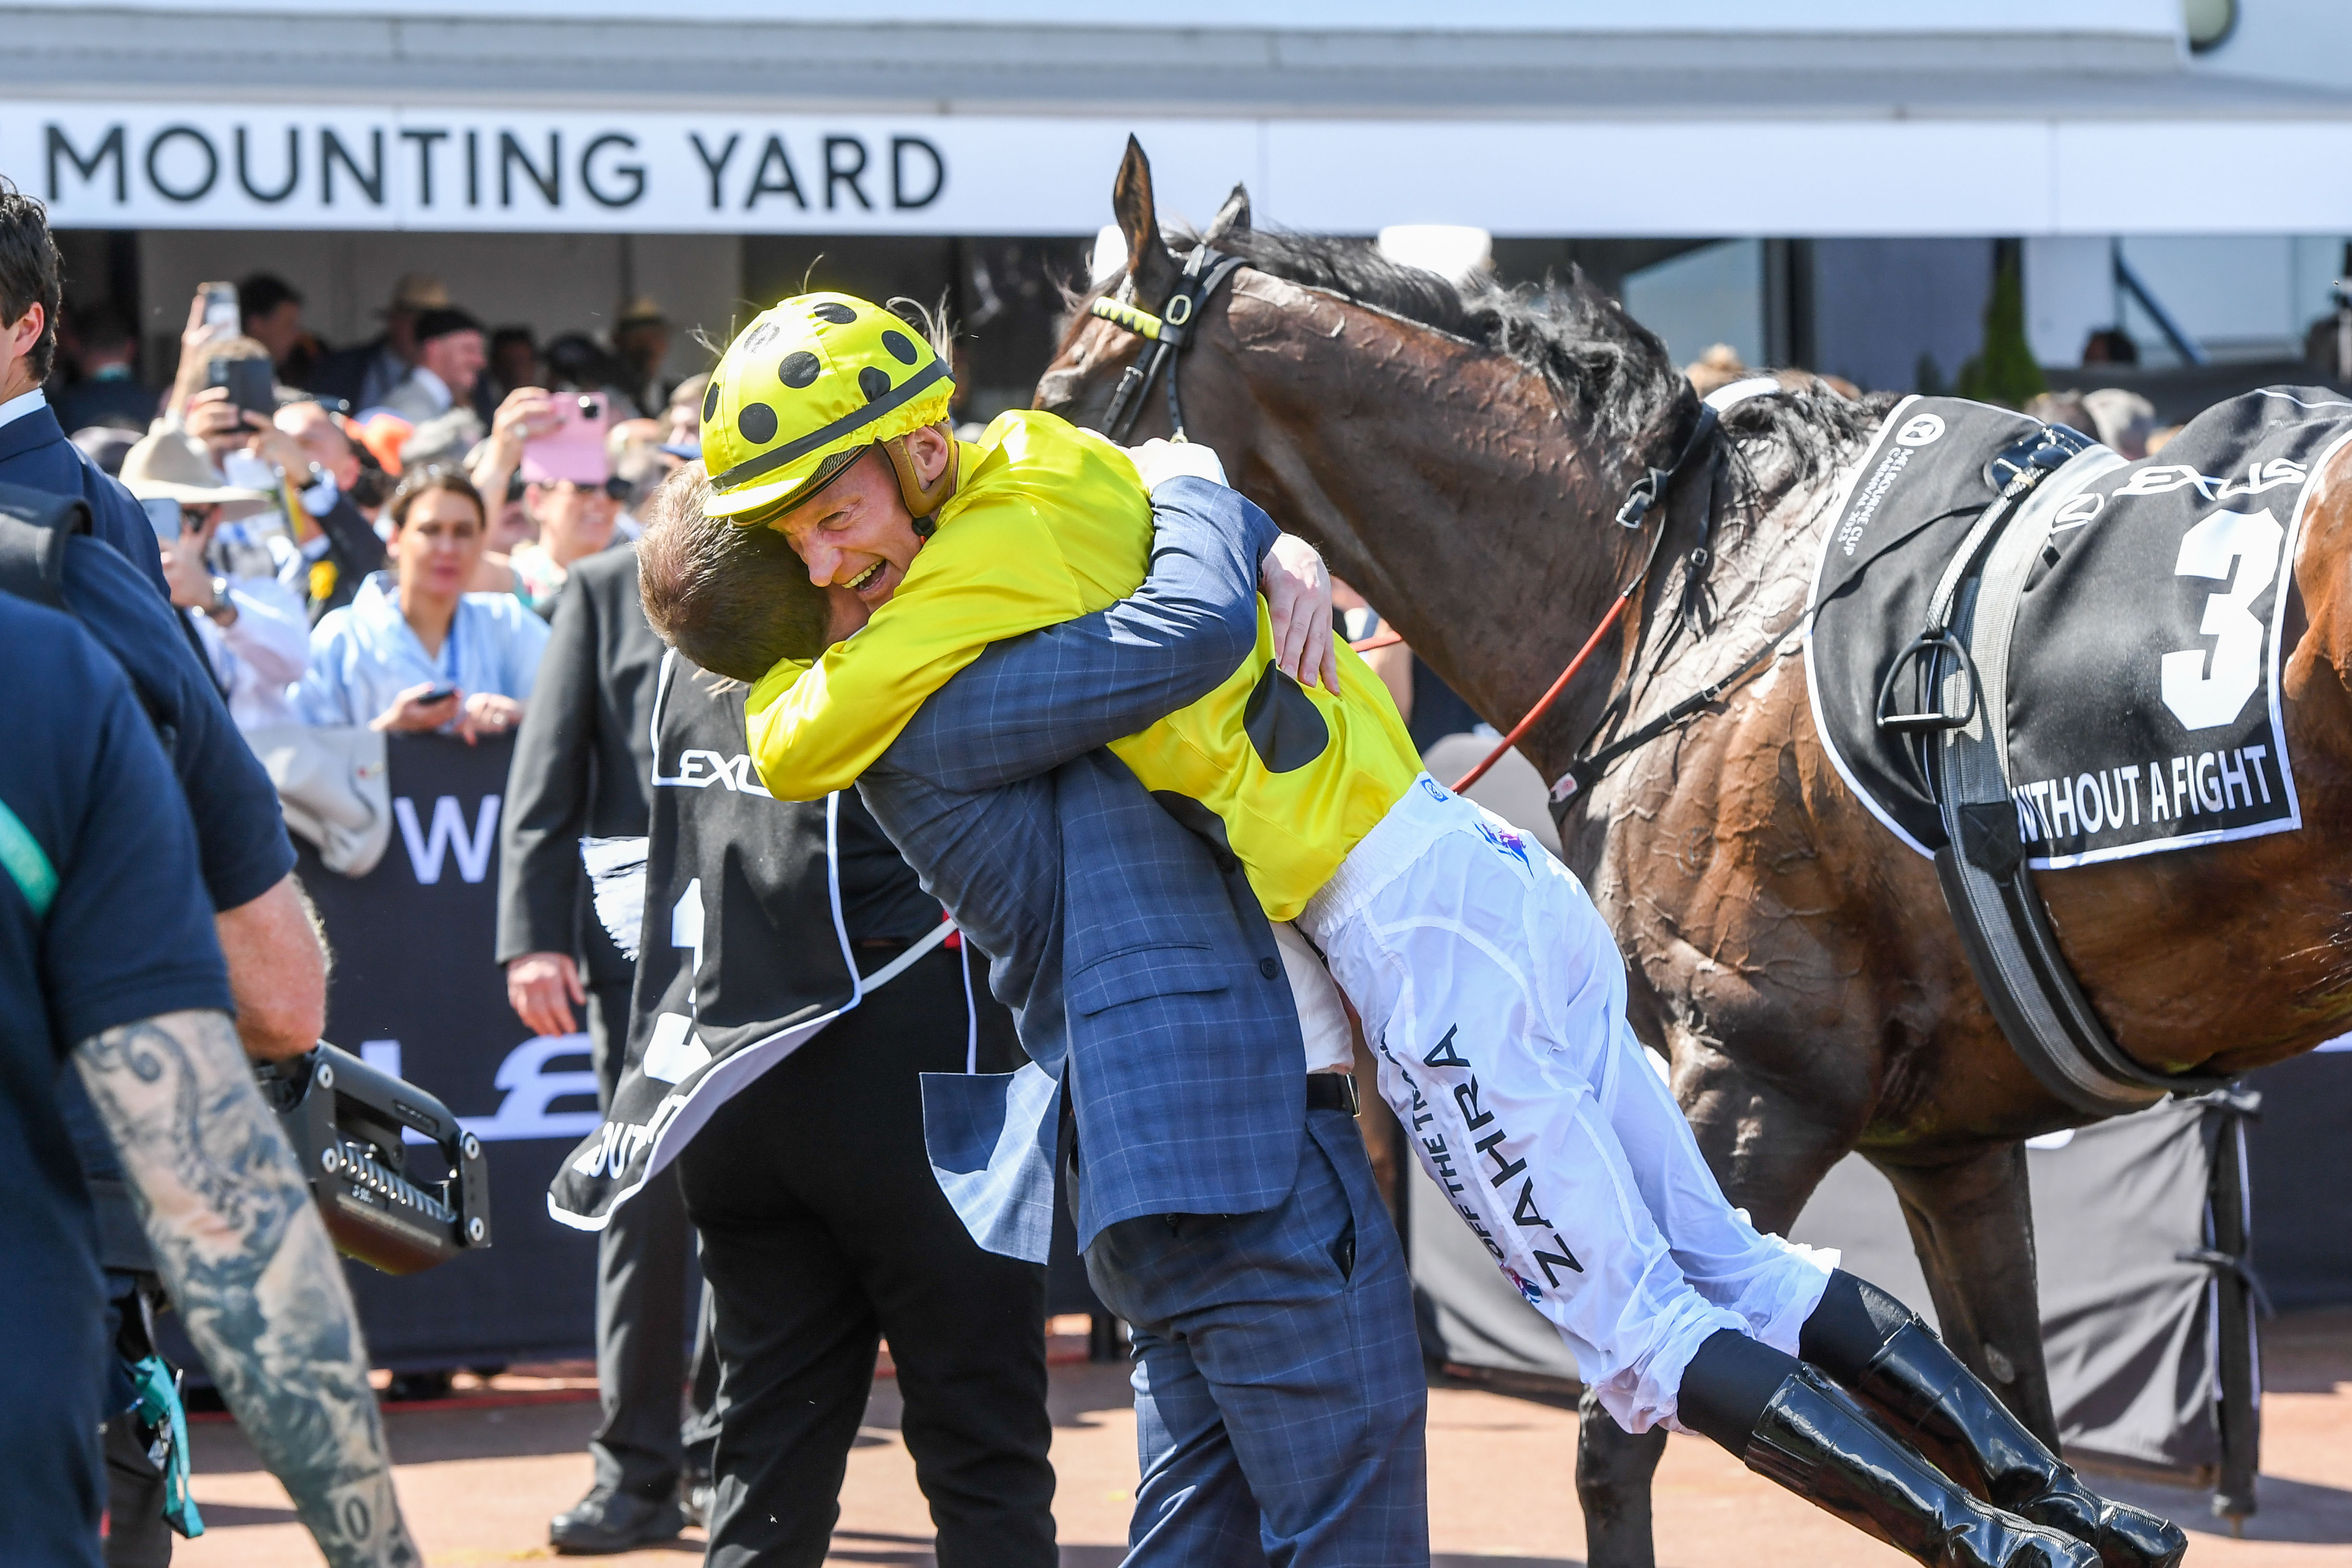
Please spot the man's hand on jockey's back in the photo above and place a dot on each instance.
(1297, 589)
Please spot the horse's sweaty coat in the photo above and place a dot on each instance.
(2144, 678)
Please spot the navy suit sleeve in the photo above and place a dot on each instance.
(240, 831)
(1032, 703)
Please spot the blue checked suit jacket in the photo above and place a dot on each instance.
(1133, 952)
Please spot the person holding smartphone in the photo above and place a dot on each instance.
(414, 650)
(252, 627)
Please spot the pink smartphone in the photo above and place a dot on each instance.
(574, 450)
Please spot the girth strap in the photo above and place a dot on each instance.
(2003, 925)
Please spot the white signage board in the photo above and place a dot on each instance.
(214, 166)
(209, 165)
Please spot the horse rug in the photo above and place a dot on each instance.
(2143, 703)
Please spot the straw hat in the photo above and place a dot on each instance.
(644, 311)
(417, 291)
(169, 466)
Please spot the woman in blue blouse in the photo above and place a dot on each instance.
(413, 634)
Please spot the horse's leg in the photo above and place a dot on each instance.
(1972, 1225)
(1769, 1151)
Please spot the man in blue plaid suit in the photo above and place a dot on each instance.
(1223, 1198)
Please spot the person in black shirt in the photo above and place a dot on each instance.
(108, 957)
(245, 863)
(579, 766)
(824, 1230)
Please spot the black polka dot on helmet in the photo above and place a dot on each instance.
(833, 311)
(874, 381)
(711, 402)
(799, 369)
(758, 424)
(901, 347)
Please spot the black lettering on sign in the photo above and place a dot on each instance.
(1505, 1171)
(425, 140)
(1443, 1055)
(714, 167)
(109, 146)
(837, 175)
(473, 167)
(632, 173)
(1465, 1095)
(332, 152)
(900, 197)
(774, 156)
(551, 184)
(293, 168)
(1524, 1214)
(154, 160)
(1564, 1258)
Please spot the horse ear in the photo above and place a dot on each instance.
(1149, 260)
(1232, 218)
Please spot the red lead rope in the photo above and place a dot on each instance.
(1644, 494)
(1543, 704)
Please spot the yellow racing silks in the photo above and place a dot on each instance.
(1050, 523)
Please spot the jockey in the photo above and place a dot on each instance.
(1488, 985)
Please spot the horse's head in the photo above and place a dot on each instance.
(1081, 383)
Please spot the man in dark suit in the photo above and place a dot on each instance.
(580, 766)
(33, 451)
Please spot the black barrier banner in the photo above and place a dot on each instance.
(414, 991)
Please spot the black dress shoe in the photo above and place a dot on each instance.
(1814, 1441)
(605, 1523)
(1938, 1405)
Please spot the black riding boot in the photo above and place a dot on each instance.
(1938, 1403)
(1938, 1406)
(1814, 1441)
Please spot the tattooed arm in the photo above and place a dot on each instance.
(250, 1266)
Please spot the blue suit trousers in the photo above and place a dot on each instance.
(1279, 1397)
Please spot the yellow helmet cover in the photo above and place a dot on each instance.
(815, 375)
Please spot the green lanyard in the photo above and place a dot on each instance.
(26, 863)
(159, 1408)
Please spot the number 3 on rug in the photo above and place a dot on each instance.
(2250, 541)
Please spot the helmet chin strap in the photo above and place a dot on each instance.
(922, 502)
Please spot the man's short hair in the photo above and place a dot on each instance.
(103, 327)
(434, 324)
(262, 294)
(30, 273)
(733, 600)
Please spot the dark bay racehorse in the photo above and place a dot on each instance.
(1459, 453)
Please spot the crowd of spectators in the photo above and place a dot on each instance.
(382, 543)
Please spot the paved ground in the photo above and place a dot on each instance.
(479, 1481)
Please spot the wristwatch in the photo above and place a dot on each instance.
(319, 492)
(223, 610)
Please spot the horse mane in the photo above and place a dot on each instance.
(1607, 369)
(1604, 366)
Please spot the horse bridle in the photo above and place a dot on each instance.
(1169, 333)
